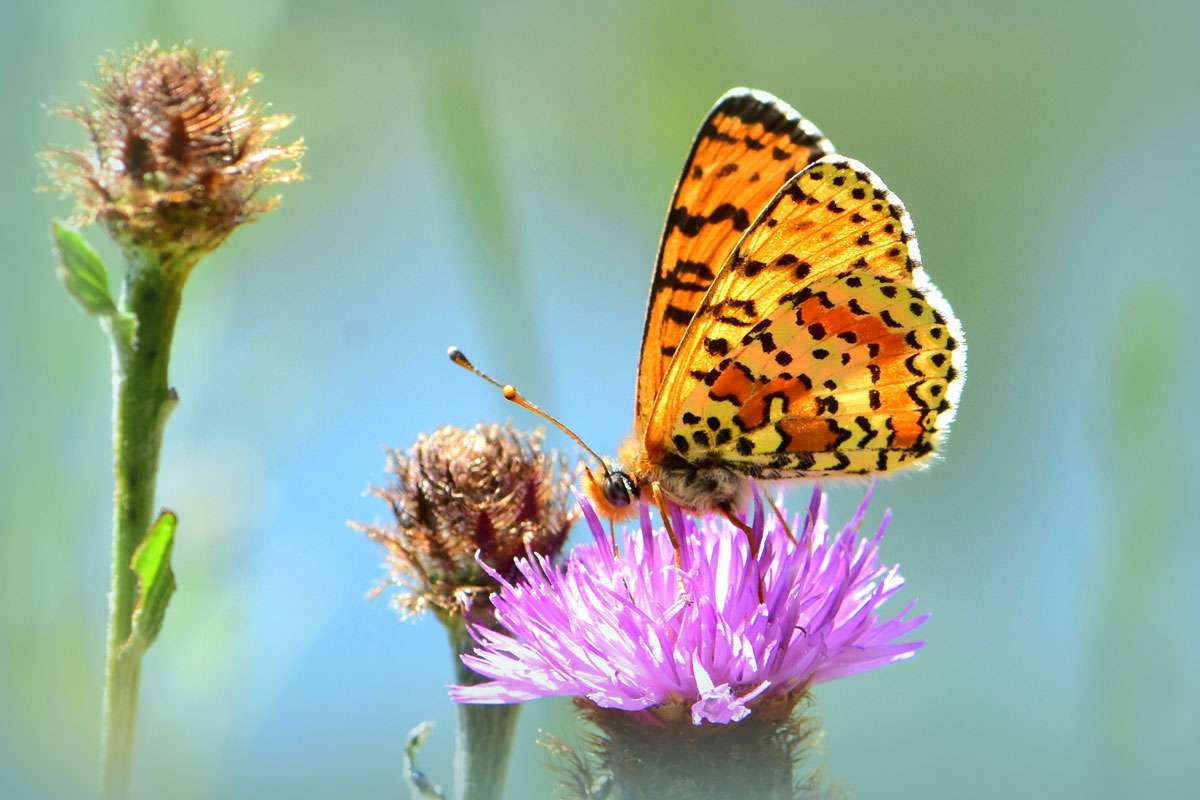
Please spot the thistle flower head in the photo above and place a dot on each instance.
(179, 152)
(465, 504)
(731, 629)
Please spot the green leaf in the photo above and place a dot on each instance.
(156, 581)
(83, 272)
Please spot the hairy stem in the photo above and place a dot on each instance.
(485, 733)
(759, 757)
(142, 402)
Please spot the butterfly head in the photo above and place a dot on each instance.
(613, 493)
(619, 488)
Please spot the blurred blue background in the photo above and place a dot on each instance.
(495, 176)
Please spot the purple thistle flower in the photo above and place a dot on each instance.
(634, 630)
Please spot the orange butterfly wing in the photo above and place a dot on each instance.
(750, 143)
(821, 346)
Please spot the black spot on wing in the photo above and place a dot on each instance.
(690, 225)
(676, 314)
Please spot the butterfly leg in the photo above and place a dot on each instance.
(782, 520)
(664, 510)
(731, 515)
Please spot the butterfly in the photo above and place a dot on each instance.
(791, 331)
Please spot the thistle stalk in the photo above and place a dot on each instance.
(485, 733)
(759, 757)
(143, 402)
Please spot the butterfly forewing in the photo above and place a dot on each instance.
(750, 143)
(821, 346)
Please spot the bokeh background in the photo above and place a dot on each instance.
(495, 176)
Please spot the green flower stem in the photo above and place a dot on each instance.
(485, 733)
(756, 758)
(143, 401)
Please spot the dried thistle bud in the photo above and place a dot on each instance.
(490, 491)
(179, 152)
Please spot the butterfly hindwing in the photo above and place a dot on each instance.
(750, 143)
(821, 346)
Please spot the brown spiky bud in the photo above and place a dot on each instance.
(460, 497)
(179, 153)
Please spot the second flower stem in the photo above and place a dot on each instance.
(143, 401)
(485, 732)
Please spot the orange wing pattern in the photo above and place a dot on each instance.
(821, 346)
(750, 143)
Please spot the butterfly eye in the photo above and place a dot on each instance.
(619, 489)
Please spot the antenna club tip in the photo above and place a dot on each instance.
(509, 391)
(456, 355)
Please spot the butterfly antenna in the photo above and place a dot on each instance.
(511, 394)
